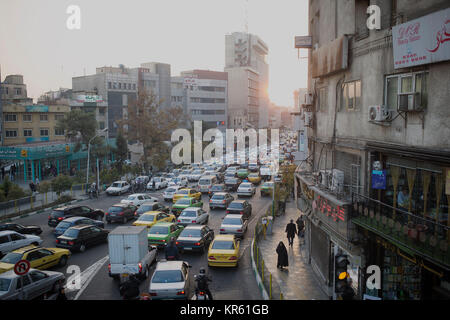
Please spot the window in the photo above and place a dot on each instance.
(27, 132)
(323, 99)
(37, 276)
(134, 86)
(59, 117)
(101, 125)
(25, 281)
(361, 19)
(59, 132)
(101, 111)
(18, 91)
(129, 86)
(115, 85)
(16, 237)
(109, 85)
(27, 117)
(120, 85)
(403, 83)
(43, 117)
(351, 95)
(10, 117)
(44, 132)
(12, 133)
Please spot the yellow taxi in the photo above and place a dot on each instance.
(39, 258)
(187, 193)
(148, 219)
(223, 251)
(254, 178)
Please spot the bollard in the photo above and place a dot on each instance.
(270, 286)
(281, 296)
(262, 269)
(31, 202)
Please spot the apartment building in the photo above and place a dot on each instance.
(375, 187)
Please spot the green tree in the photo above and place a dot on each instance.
(121, 150)
(61, 183)
(151, 125)
(44, 187)
(15, 192)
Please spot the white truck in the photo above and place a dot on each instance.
(265, 173)
(129, 252)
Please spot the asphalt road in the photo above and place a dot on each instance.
(228, 283)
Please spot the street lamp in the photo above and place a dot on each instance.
(89, 153)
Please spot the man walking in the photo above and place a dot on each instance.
(291, 231)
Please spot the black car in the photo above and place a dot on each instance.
(120, 212)
(195, 238)
(36, 230)
(232, 184)
(80, 237)
(61, 213)
(216, 188)
(242, 207)
(151, 206)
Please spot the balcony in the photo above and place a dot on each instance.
(413, 233)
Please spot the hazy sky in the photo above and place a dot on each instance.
(188, 34)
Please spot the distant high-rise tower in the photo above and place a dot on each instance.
(247, 50)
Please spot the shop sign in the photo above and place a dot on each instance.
(9, 153)
(89, 99)
(379, 179)
(329, 209)
(423, 40)
(36, 108)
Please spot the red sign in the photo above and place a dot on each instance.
(22, 267)
(330, 209)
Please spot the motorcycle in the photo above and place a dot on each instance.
(93, 194)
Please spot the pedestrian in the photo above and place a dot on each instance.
(153, 185)
(348, 293)
(300, 226)
(291, 231)
(130, 288)
(282, 256)
(32, 187)
(37, 182)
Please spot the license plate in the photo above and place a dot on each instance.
(63, 242)
(187, 248)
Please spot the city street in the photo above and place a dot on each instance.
(228, 283)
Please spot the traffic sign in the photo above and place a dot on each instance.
(22, 267)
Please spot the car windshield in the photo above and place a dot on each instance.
(236, 205)
(231, 181)
(171, 190)
(197, 172)
(12, 258)
(204, 181)
(115, 209)
(71, 233)
(218, 197)
(157, 179)
(167, 276)
(232, 221)
(116, 185)
(147, 217)
(188, 213)
(158, 230)
(191, 233)
(223, 245)
(4, 284)
(242, 171)
(246, 185)
(131, 197)
(145, 208)
(64, 225)
(217, 188)
(183, 202)
(183, 192)
(253, 175)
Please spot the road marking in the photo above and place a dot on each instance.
(87, 276)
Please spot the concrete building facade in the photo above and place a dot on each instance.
(378, 132)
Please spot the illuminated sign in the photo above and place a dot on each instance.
(329, 209)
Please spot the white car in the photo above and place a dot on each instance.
(118, 188)
(234, 224)
(193, 215)
(171, 280)
(180, 181)
(170, 191)
(138, 198)
(160, 183)
(11, 240)
(195, 175)
(246, 189)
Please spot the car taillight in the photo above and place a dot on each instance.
(178, 220)
(135, 213)
(60, 218)
(210, 200)
(140, 267)
(194, 221)
(180, 293)
(70, 243)
(233, 258)
(242, 212)
(177, 242)
(197, 243)
(49, 217)
(121, 214)
(109, 267)
(222, 229)
(57, 240)
(153, 294)
(228, 211)
(223, 201)
(212, 258)
(106, 213)
(239, 230)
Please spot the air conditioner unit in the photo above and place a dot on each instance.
(410, 101)
(309, 98)
(337, 181)
(325, 178)
(378, 113)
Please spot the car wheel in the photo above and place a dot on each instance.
(82, 248)
(36, 244)
(62, 261)
(55, 287)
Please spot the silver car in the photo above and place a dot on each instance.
(220, 200)
(171, 280)
(193, 215)
(246, 189)
(234, 224)
(30, 286)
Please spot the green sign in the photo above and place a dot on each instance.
(36, 108)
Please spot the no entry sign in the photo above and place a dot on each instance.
(22, 267)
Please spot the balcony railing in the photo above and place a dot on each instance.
(420, 235)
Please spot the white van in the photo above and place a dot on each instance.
(206, 182)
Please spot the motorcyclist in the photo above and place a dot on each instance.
(171, 250)
(93, 189)
(202, 283)
(130, 289)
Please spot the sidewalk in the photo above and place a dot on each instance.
(297, 281)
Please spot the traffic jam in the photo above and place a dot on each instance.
(181, 234)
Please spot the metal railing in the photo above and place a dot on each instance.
(273, 289)
(423, 235)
